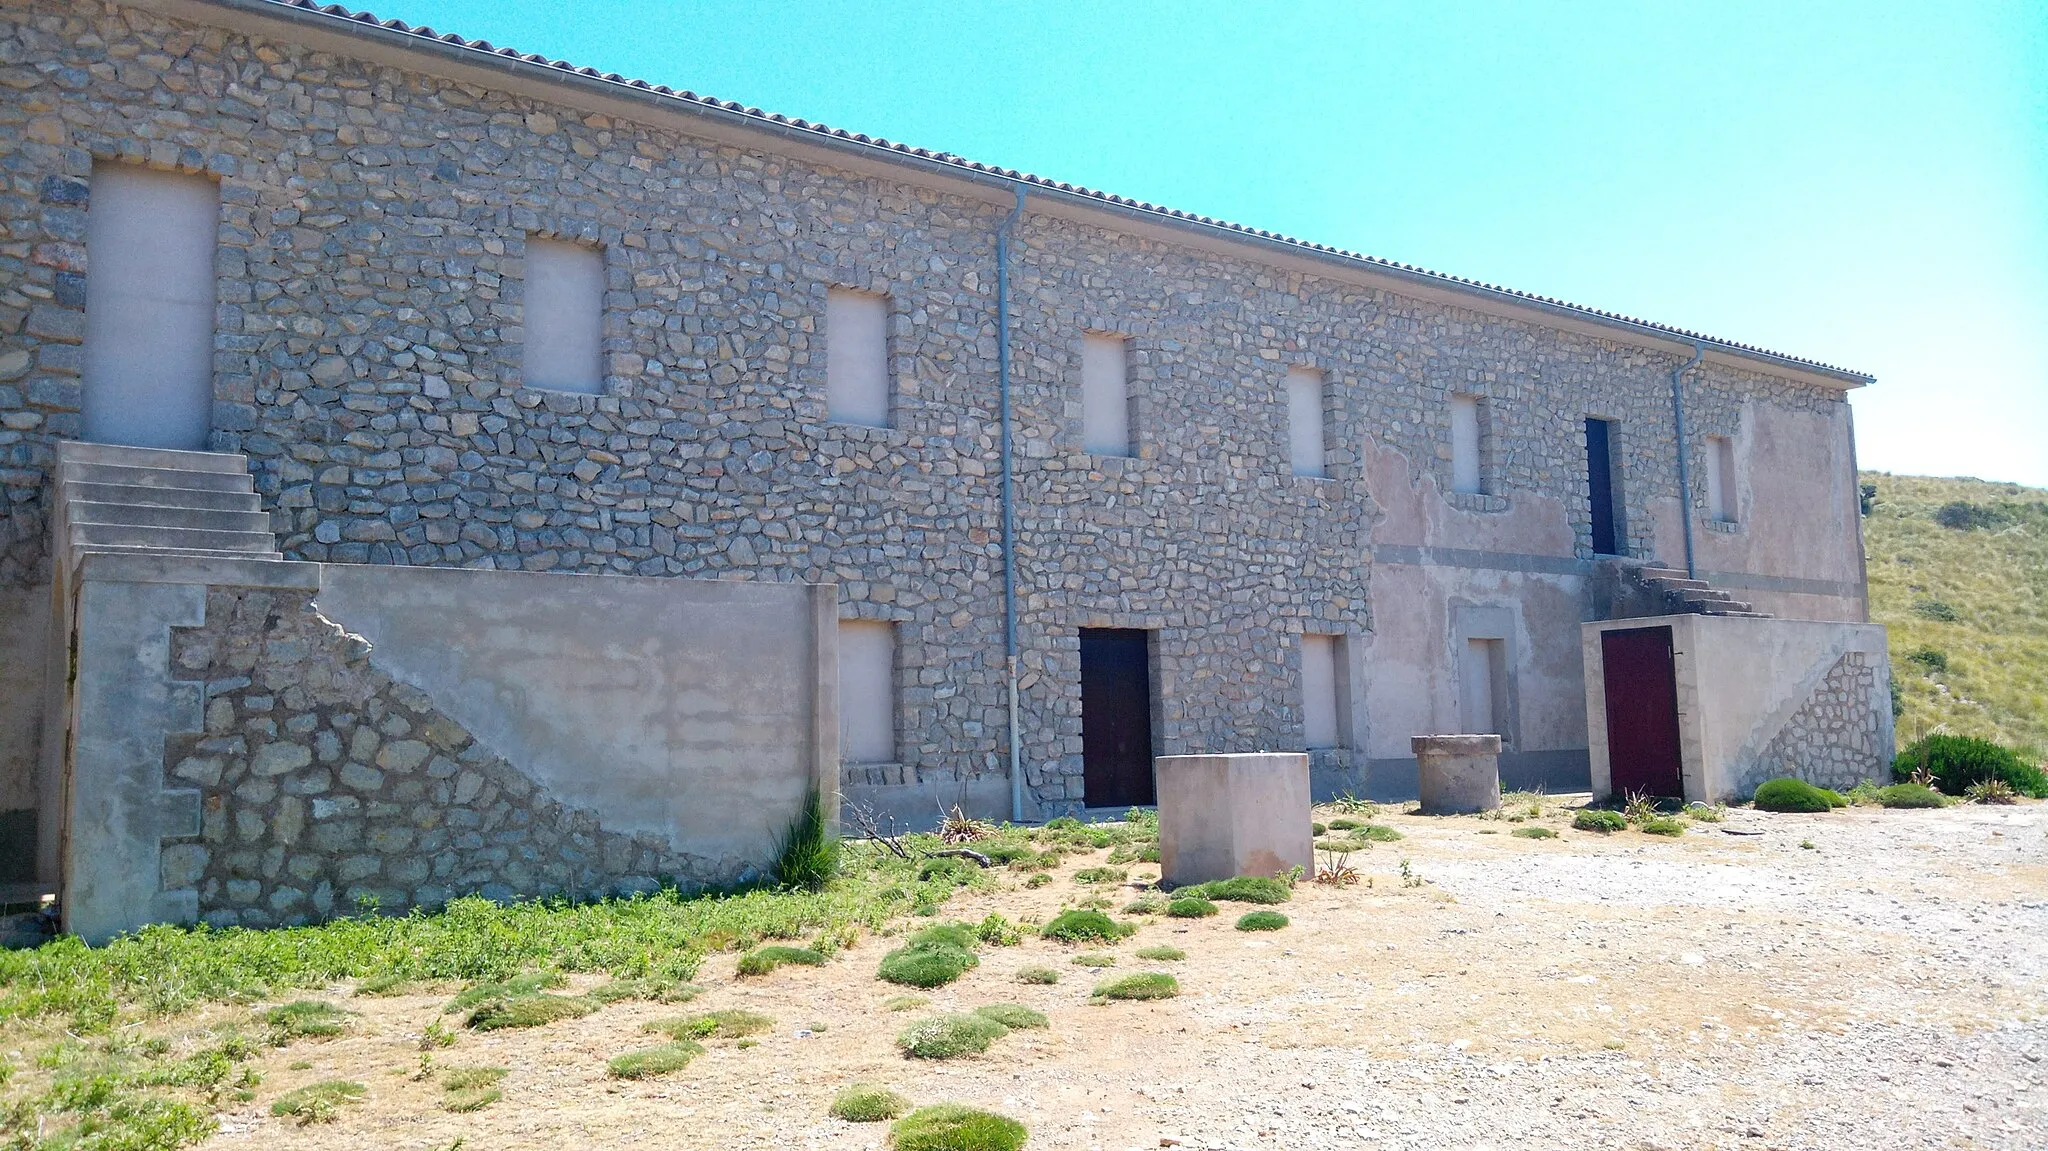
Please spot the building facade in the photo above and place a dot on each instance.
(463, 308)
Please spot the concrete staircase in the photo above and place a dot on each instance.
(1684, 595)
(157, 502)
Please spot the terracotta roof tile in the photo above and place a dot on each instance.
(948, 159)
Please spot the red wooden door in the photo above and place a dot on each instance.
(1642, 712)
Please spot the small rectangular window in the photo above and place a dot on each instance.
(1482, 692)
(1319, 702)
(1307, 430)
(1105, 395)
(857, 358)
(1466, 475)
(867, 691)
(564, 316)
(1721, 478)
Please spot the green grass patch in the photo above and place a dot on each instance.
(651, 990)
(1379, 833)
(305, 1019)
(1101, 875)
(1014, 1016)
(1662, 825)
(927, 965)
(867, 1103)
(763, 960)
(950, 1036)
(904, 1002)
(1910, 795)
(529, 983)
(1244, 889)
(1190, 907)
(385, 985)
(729, 1023)
(466, 1089)
(1162, 954)
(1261, 921)
(466, 1078)
(1039, 975)
(1093, 959)
(649, 1062)
(958, 935)
(1083, 926)
(474, 1099)
(1795, 795)
(318, 1102)
(951, 1127)
(1039, 880)
(527, 1011)
(1144, 985)
(1533, 833)
(1596, 819)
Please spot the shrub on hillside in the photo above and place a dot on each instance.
(1955, 762)
(1935, 609)
(1795, 795)
(1962, 516)
(1928, 659)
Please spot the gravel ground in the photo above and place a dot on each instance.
(1858, 979)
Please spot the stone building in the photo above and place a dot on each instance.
(460, 307)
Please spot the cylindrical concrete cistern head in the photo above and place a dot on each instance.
(1460, 774)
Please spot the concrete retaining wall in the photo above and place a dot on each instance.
(262, 743)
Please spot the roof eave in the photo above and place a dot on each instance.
(268, 17)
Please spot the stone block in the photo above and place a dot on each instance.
(1459, 774)
(1225, 815)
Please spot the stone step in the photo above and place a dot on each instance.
(78, 512)
(1703, 595)
(96, 493)
(1679, 583)
(1654, 573)
(155, 477)
(188, 553)
(121, 455)
(89, 536)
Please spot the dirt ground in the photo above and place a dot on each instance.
(1886, 986)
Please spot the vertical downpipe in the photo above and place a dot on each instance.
(1699, 352)
(1009, 505)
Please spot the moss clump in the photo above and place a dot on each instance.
(1081, 926)
(304, 1019)
(947, 1036)
(925, 965)
(867, 1103)
(1162, 954)
(1594, 819)
(1190, 907)
(763, 960)
(1014, 1016)
(1040, 975)
(1145, 985)
(528, 1011)
(318, 1102)
(1261, 921)
(1244, 889)
(1795, 795)
(1094, 959)
(652, 1061)
(1379, 833)
(1533, 833)
(1318, 828)
(950, 1127)
(530, 983)
(958, 935)
(1663, 825)
(731, 1023)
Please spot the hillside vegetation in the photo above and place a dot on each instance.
(1959, 576)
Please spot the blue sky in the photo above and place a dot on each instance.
(1865, 184)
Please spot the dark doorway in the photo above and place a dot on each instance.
(1642, 712)
(1608, 532)
(1116, 718)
